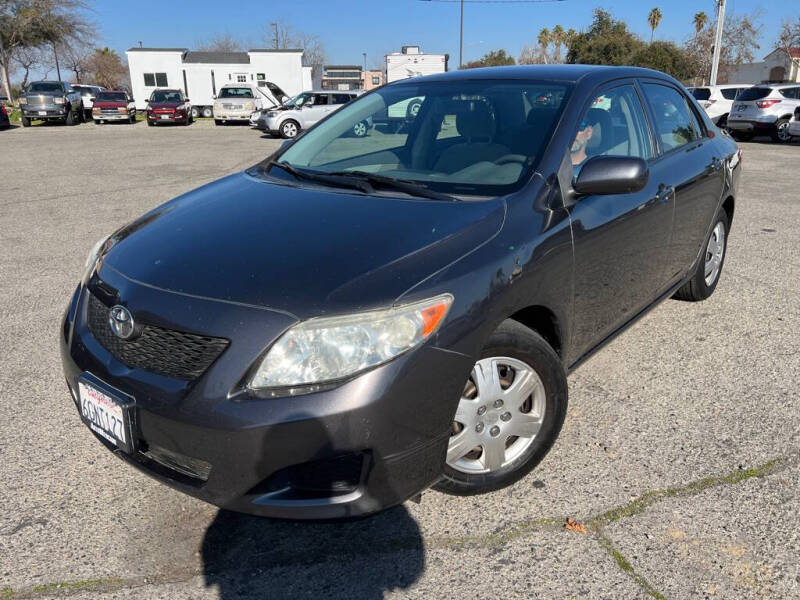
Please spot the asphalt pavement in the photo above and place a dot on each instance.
(678, 465)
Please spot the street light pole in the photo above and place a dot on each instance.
(275, 28)
(717, 41)
(461, 38)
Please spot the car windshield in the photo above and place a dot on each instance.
(466, 137)
(299, 100)
(236, 93)
(45, 86)
(701, 93)
(111, 97)
(165, 97)
(754, 93)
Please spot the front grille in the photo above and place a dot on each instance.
(163, 351)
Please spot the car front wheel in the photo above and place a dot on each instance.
(706, 276)
(289, 129)
(360, 129)
(510, 413)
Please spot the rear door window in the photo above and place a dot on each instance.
(790, 93)
(729, 93)
(704, 93)
(675, 123)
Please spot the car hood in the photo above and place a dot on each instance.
(306, 251)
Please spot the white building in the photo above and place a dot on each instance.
(780, 65)
(201, 74)
(411, 62)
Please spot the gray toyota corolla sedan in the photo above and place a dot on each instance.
(355, 319)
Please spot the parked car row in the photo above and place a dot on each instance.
(750, 110)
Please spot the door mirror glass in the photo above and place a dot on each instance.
(602, 175)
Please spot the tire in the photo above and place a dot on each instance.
(195, 112)
(187, 120)
(26, 122)
(360, 129)
(70, 119)
(150, 123)
(700, 286)
(132, 118)
(207, 112)
(217, 122)
(81, 117)
(101, 122)
(781, 133)
(742, 136)
(512, 349)
(289, 129)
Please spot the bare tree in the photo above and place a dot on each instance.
(75, 57)
(789, 36)
(281, 35)
(221, 42)
(739, 45)
(30, 59)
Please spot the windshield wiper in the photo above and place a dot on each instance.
(327, 179)
(412, 188)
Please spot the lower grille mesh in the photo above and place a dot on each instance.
(163, 351)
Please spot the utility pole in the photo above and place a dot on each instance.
(717, 41)
(461, 38)
(275, 29)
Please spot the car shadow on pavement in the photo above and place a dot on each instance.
(254, 557)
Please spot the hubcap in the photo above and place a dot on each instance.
(359, 129)
(499, 414)
(783, 131)
(714, 253)
(290, 130)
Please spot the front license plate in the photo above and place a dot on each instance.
(165, 116)
(105, 412)
(42, 112)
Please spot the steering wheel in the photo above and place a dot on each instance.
(511, 158)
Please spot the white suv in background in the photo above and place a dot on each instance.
(717, 100)
(794, 124)
(304, 110)
(764, 109)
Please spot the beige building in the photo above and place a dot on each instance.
(780, 65)
(371, 79)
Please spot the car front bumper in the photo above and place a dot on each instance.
(232, 115)
(113, 116)
(166, 117)
(44, 112)
(365, 445)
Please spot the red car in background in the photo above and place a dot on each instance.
(168, 106)
(113, 105)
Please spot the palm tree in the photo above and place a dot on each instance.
(654, 19)
(544, 41)
(700, 20)
(559, 36)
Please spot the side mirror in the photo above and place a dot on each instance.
(186, 100)
(602, 175)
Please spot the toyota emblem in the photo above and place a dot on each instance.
(120, 320)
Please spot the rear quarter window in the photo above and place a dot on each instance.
(730, 93)
(703, 93)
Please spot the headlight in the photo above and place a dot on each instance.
(23, 100)
(327, 349)
(58, 100)
(272, 113)
(94, 255)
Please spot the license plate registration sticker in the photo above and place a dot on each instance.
(104, 415)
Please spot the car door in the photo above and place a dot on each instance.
(621, 241)
(689, 165)
(316, 111)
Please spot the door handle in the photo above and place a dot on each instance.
(664, 193)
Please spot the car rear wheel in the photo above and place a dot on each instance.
(509, 414)
(289, 129)
(207, 112)
(360, 129)
(781, 133)
(706, 276)
(195, 112)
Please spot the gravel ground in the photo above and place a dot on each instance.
(679, 459)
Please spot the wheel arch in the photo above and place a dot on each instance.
(728, 206)
(543, 321)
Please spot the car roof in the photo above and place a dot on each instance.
(561, 72)
(167, 90)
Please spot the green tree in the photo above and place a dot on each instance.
(666, 57)
(107, 69)
(654, 20)
(700, 20)
(494, 58)
(607, 42)
(544, 41)
(559, 37)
